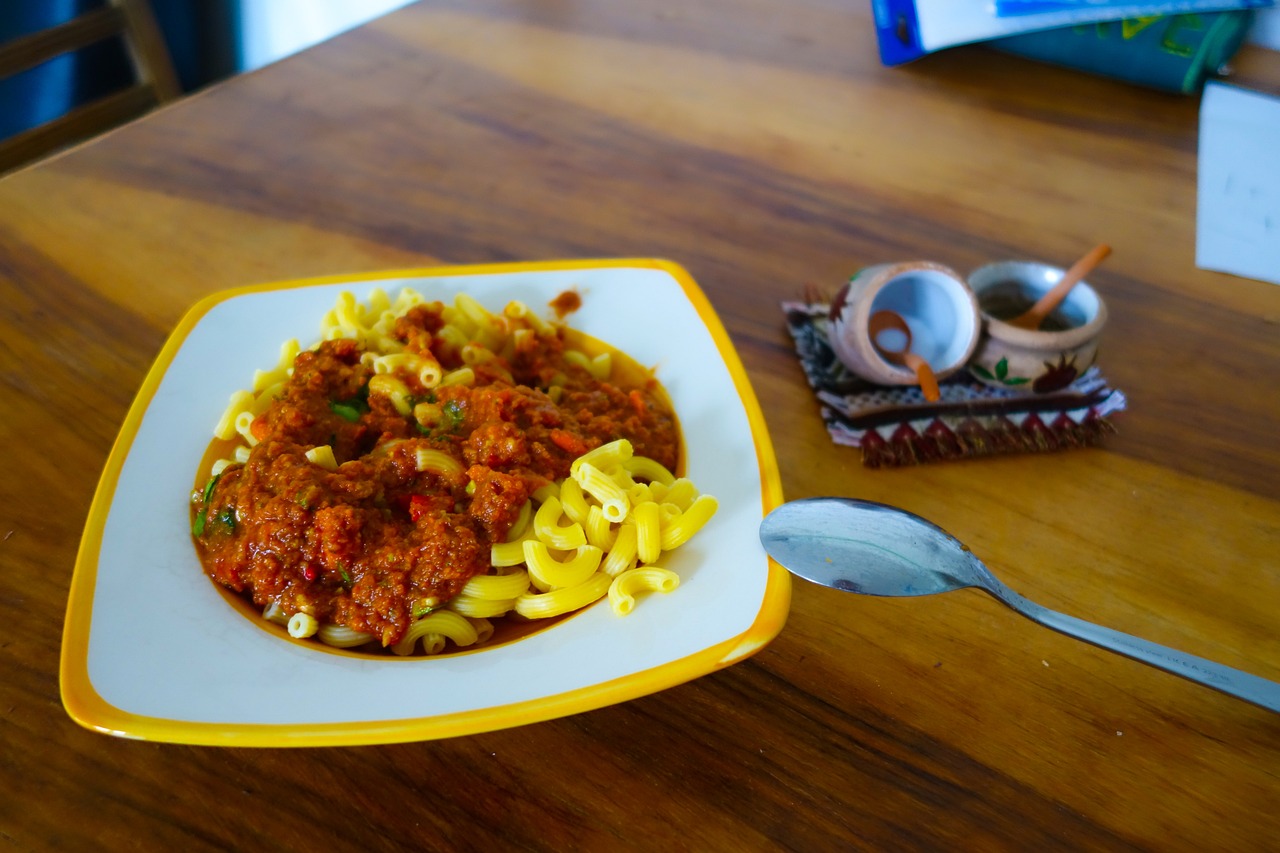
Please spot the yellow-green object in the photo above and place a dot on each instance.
(1171, 52)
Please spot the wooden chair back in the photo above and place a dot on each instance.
(154, 79)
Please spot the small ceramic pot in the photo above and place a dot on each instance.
(1035, 361)
(939, 309)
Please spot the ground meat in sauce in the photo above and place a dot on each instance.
(377, 542)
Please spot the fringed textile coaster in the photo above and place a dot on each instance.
(895, 425)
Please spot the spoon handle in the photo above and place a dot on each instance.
(1035, 315)
(1240, 684)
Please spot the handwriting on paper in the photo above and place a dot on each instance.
(1238, 183)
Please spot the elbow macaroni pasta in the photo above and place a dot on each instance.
(597, 534)
(622, 592)
(607, 565)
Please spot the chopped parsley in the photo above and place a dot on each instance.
(197, 527)
(208, 487)
(446, 418)
(353, 407)
(453, 412)
(429, 397)
(345, 410)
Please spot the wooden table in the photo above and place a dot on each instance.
(764, 149)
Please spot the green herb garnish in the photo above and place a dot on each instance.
(351, 408)
(227, 518)
(346, 411)
(453, 411)
(208, 487)
(429, 397)
(197, 527)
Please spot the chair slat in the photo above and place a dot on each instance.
(31, 50)
(147, 49)
(155, 81)
(94, 117)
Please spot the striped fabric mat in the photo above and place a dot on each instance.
(895, 425)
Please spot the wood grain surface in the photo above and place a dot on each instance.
(763, 147)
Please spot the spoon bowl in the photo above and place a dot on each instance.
(875, 549)
(886, 324)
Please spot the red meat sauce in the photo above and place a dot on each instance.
(377, 542)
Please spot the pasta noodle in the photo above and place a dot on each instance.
(648, 532)
(549, 573)
(497, 587)
(394, 390)
(599, 367)
(681, 527)
(641, 466)
(505, 554)
(438, 461)
(611, 497)
(546, 524)
(593, 532)
(426, 370)
(342, 637)
(622, 592)
(605, 457)
(482, 607)
(572, 501)
(623, 554)
(461, 376)
(240, 402)
(302, 625)
(600, 532)
(557, 602)
(520, 311)
(323, 456)
(274, 612)
(681, 493)
(444, 623)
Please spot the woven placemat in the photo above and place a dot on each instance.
(895, 425)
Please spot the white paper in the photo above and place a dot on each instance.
(1238, 193)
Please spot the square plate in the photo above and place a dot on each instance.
(151, 650)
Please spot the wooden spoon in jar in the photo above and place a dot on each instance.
(1035, 315)
(886, 321)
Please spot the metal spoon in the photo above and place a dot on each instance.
(874, 549)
